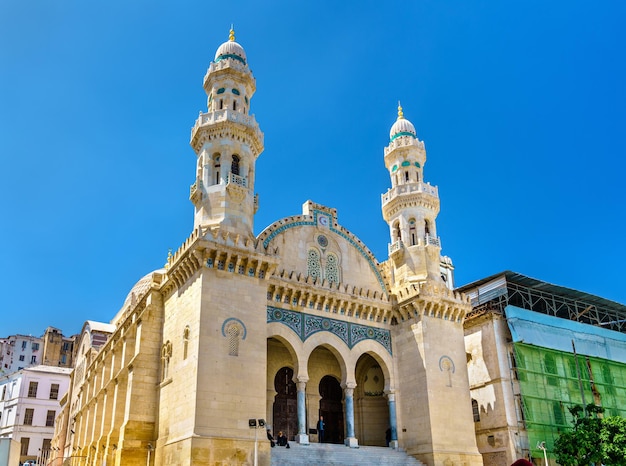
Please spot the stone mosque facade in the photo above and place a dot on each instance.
(298, 322)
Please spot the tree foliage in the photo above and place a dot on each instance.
(593, 440)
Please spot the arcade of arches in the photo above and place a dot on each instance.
(349, 388)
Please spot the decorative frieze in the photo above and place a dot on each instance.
(305, 325)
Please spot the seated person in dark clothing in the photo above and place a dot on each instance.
(270, 437)
(282, 439)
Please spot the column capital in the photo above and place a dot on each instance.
(349, 385)
(302, 379)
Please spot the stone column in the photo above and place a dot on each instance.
(348, 391)
(391, 400)
(303, 436)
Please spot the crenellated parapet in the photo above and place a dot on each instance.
(430, 299)
(296, 291)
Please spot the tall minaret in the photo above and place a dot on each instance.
(227, 141)
(410, 208)
(436, 417)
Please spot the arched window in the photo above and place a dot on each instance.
(233, 332)
(216, 168)
(166, 354)
(235, 105)
(314, 268)
(406, 176)
(426, 228)
(412, 232)
(475, 411)
(332, 269)
(417, 176)
(185, 341)
(234, 167)
(221, 104)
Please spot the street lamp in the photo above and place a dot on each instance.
(542, 446)
(256, 424)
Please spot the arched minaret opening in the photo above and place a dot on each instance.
(216, 168)
(412, 232)
(234, 167)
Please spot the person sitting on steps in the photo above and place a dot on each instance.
(282, 440)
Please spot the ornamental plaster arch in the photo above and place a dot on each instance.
(294, 346)
(380, 355)
(335, 345)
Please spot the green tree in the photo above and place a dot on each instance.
(593, 440)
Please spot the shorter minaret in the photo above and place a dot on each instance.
(410, 208)
(227, 141)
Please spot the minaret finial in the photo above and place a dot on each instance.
(400, 113)
(231, 36)
(168, 264)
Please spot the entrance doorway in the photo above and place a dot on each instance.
(285, 412)
(331, 407)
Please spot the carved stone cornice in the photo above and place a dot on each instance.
(299, 292)
(432, 300)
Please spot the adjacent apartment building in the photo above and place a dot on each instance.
(29, 403)
(533, 350)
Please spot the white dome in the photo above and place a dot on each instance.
(230, 49)
(402, 127)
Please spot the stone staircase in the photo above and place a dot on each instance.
(327, 454)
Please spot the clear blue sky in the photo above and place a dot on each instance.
(521, 106)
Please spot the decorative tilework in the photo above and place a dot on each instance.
(351, 240)
(305, 325)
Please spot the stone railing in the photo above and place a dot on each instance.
(432, 240)
(393, 247)
(238, 180)
(410, 188)
(227, 115)
(404, 142)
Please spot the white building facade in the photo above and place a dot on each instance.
(29, 403)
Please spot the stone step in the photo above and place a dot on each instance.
(327, 454)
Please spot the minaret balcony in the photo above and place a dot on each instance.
(195, 191)
(238, 180)
(410, 188)
(222, 116)
(396, 247)
(432, 241)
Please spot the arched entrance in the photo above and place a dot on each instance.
(370, 403)
(285, 411)
(331, 407)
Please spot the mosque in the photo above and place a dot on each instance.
(241, 332)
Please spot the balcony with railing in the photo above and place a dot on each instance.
(410, 188)
(396, 246)
(210, 118)
(236, 179)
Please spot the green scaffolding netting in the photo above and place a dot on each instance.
(549, 385)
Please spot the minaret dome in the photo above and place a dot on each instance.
(230, 49)
(402, 127)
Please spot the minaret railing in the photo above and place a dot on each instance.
(237, 179)
(410, 188)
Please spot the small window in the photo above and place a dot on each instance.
(35, 346)
(234, 105)
(21, 357)
(475, 411)
(54, 391)
(33, 359)
(50, 418)
(28, 416)
(234, 168)
(24, 441)
(23, 345)
(32, 389)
